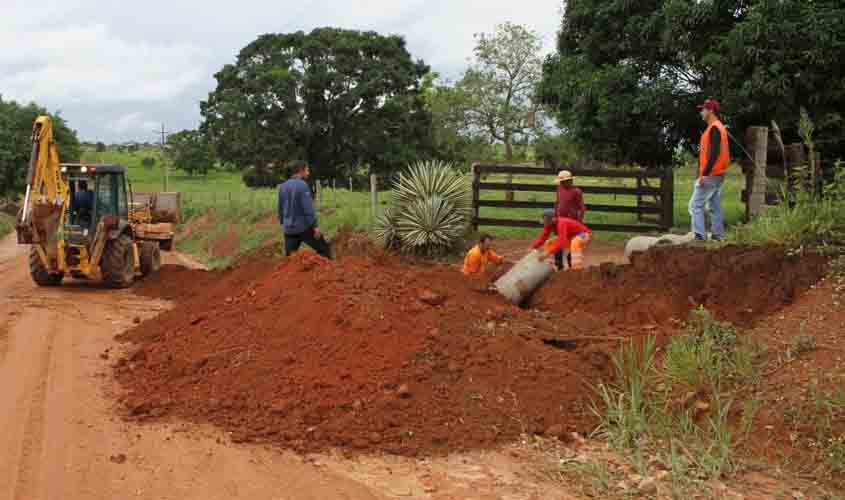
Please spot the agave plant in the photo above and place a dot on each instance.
(429, 225)
(430, 211)
(425, 179)
(385, 228)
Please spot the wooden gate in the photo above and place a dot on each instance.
(652, 196)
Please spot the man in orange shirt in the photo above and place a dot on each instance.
(476, 259)
(571, 235)
(713, 159)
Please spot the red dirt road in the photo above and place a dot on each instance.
(62, 438)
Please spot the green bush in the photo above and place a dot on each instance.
(6, 224)
(270, 177)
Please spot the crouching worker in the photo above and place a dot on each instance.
(477, 258)
(571, 235)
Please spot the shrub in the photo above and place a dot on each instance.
(430, 209)
(265, 177)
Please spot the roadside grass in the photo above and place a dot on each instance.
(810, 220)
(679, 404)
(7, 224)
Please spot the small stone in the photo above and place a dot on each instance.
(555, 431)
(120, 458)
(797, 495)
(404, 391)
(357, 405)
(648, 486)
(432, 298)
(375, 438)
(136, 320)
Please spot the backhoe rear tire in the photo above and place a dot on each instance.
(39, 273)
(118, 262)
(150, 257)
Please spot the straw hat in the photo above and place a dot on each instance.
(564, 175)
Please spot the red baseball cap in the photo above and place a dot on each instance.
(711, 105)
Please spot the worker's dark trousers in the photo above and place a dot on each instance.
(559, 259)
(320, 245)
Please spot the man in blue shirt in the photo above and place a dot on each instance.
(297, 215)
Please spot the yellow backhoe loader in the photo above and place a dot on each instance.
(76, 218)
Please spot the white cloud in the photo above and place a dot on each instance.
(85, 63)
(114, 68)
(131, 122)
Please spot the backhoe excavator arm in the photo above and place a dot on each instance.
(46, 198)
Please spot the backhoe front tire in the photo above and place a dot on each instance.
(150, 257)
(118, 262)
(39, 273)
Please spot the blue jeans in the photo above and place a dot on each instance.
(707, 192)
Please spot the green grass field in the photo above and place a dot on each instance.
(249, 212)
(7, 224)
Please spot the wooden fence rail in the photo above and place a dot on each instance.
(662, 205)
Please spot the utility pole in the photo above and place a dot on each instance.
(164, 167)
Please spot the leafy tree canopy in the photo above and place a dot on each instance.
(16, 147)
(627, 75)
(336, 98)
(191, 151)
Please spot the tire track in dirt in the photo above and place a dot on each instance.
(29, 462)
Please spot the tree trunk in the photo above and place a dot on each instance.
(509, 158)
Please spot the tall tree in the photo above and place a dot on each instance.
(501, 85)
(627, 75)
(453, 139)
(15, 147)
(191, 151)
(337, 98)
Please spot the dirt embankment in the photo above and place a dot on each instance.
(369, 353)
(738, 284)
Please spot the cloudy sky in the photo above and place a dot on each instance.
(117, 70)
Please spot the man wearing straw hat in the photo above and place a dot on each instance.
(569, 204)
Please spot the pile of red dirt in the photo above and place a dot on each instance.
(358, 353)
(737, 284)
(373, 354)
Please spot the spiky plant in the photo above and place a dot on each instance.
(429, 225)
(425, 179)
(430, 210)
(385, 228)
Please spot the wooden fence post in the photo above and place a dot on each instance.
(476, 180)
(374, 194)
(334, 192)
(757, 140)
(667, 198)
(640, 216)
